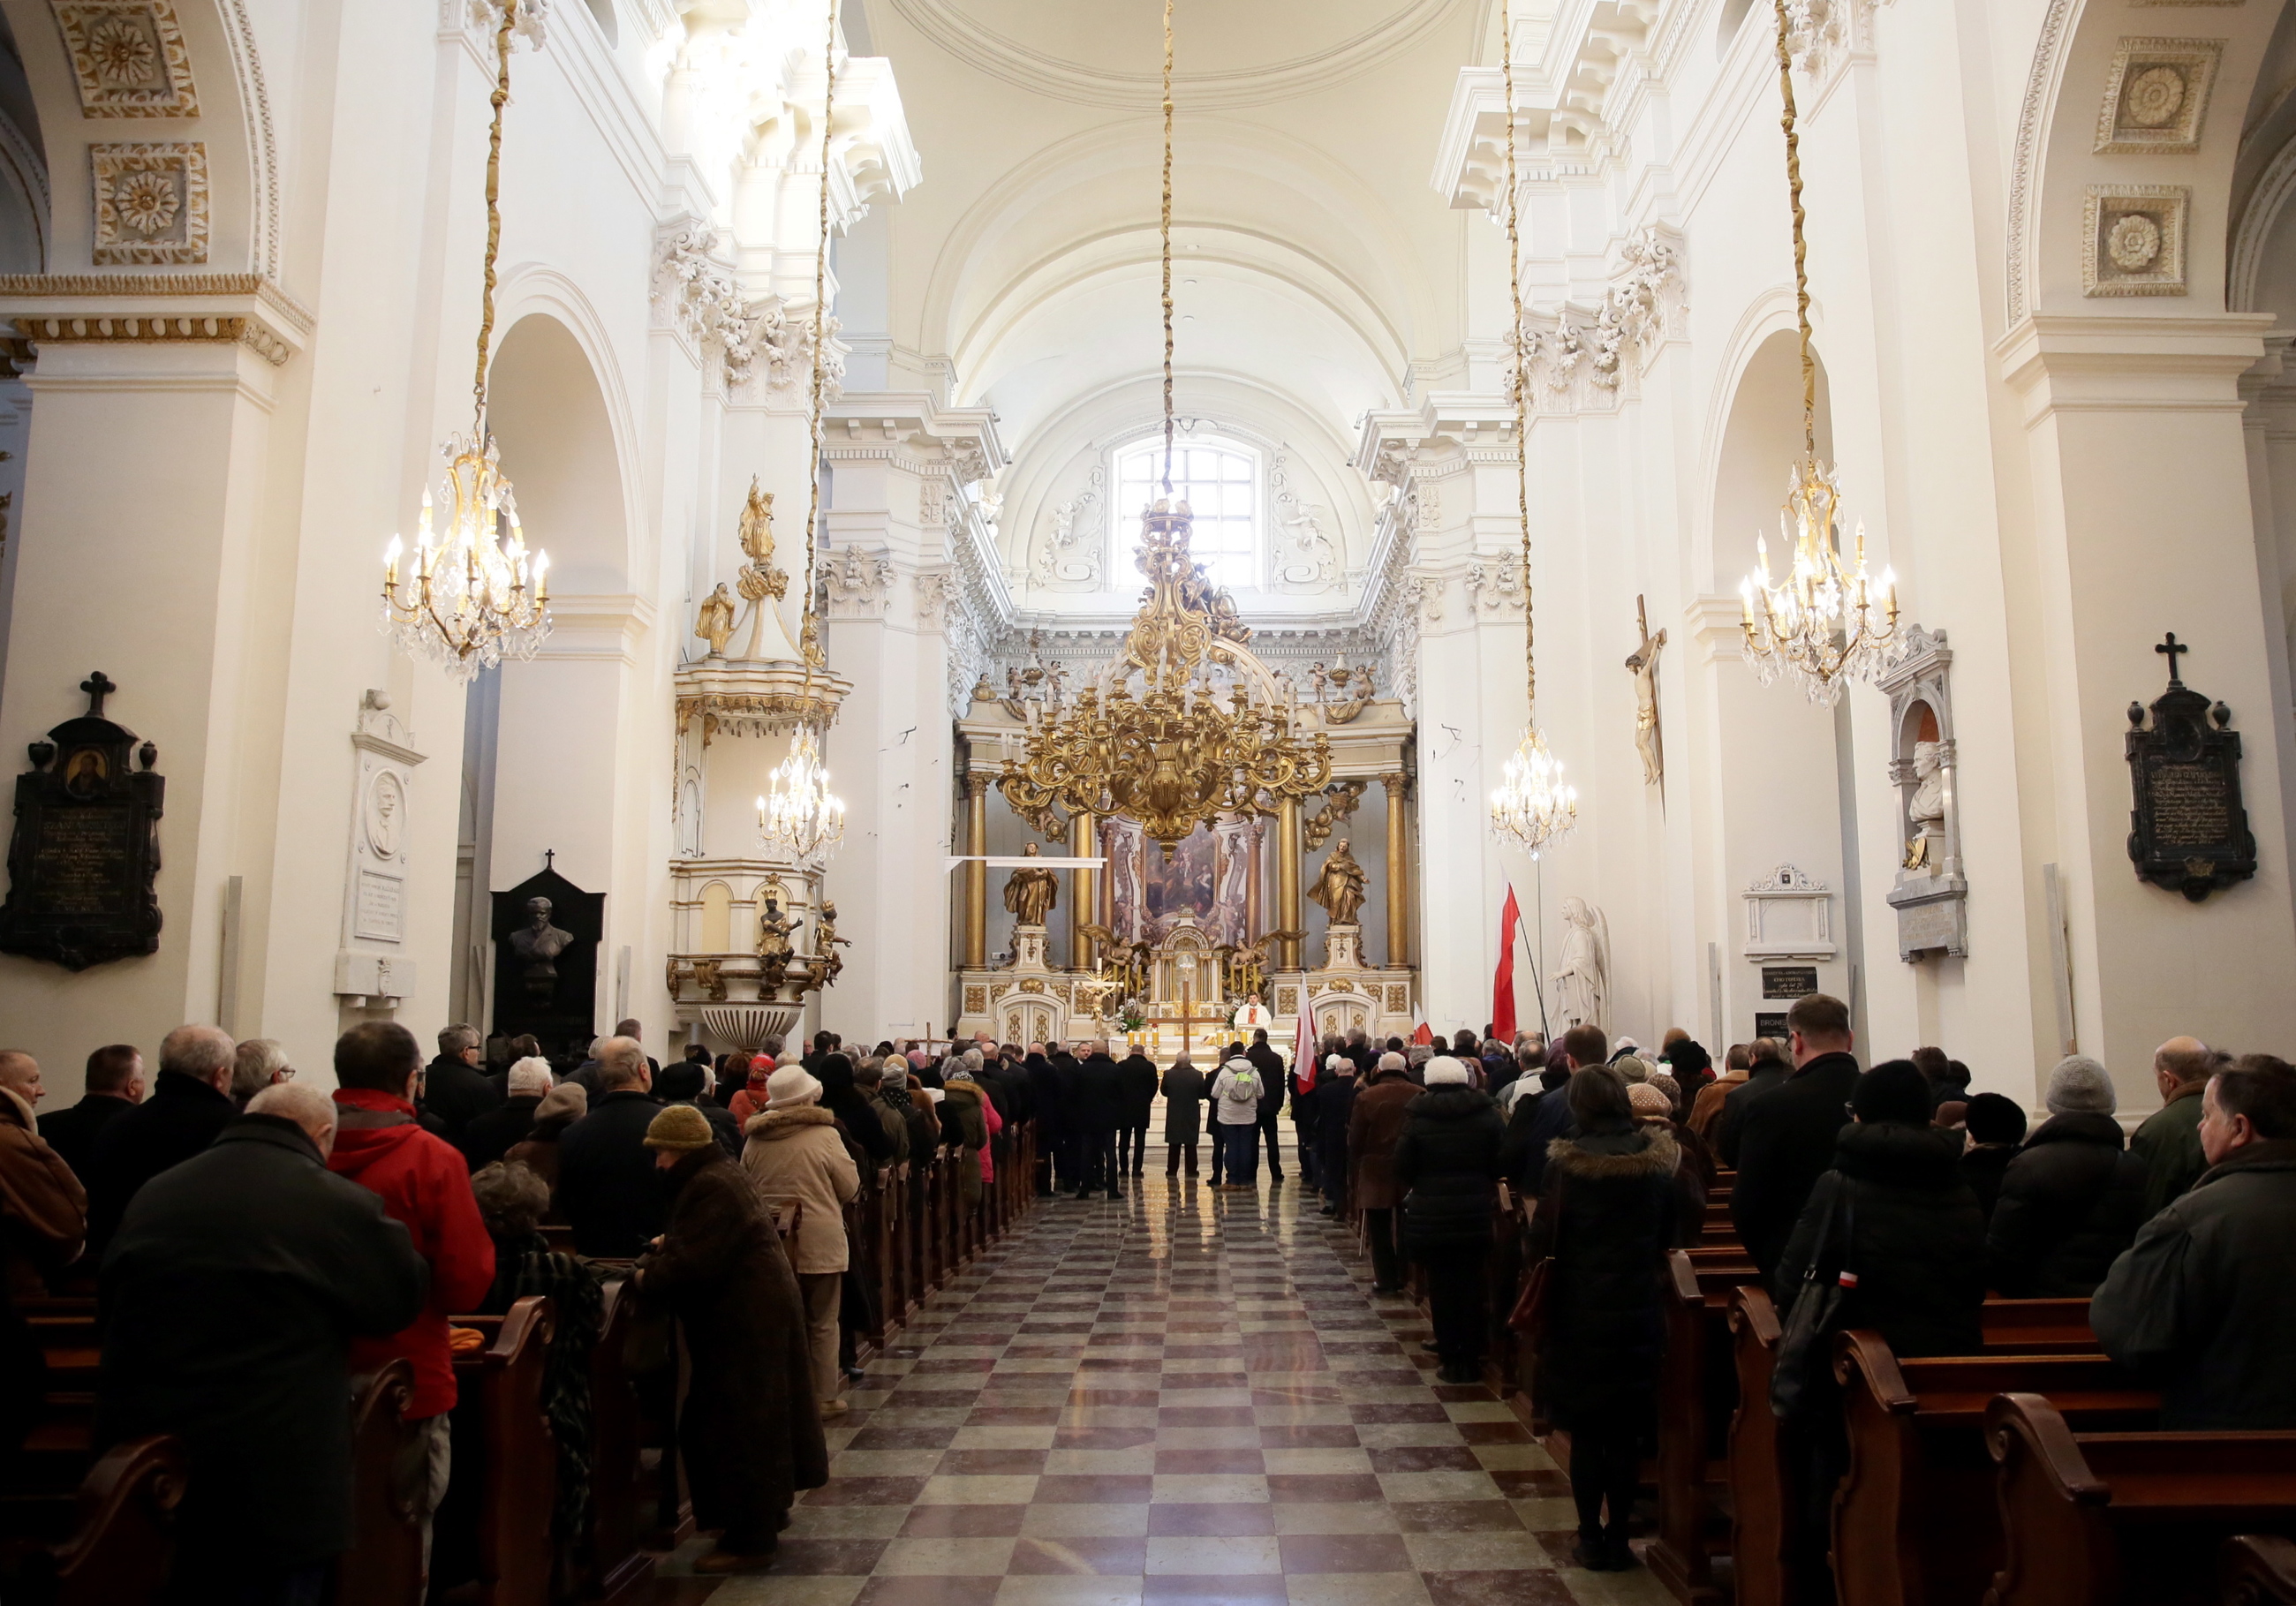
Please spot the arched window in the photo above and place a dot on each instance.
(1218, 479)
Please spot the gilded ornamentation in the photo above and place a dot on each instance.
(710, 976)
(1339, 886)
(714, 622)
(1032, 891)
(150, 203)
(1341, 798)
(228, 331)
(128, 58)
(976, 1001)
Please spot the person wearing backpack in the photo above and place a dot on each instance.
(1236, 1093)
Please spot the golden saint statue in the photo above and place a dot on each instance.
(1339, 886)
(715, 624)
(1032, 891)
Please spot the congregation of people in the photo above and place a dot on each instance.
(257, 1243)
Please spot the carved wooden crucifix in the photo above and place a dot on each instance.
(1644, 662)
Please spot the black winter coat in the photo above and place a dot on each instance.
(73, 1133)
(1269, 1064)
(1982, 1166)
(2069, 1202)
(750, 1431)
(1610, 1211)
(1915, 1239)
(1136, 1078)
(1448, 1163)
(1762, 1079)
(457, 1094)
(180, 1119)
(1538, 1119)
(608, 1189)
(1045, 1094)
(1097, 1096)
(1785, 1143)
(1330, 1107)
(230, 1297)
(2204, 1302)
(1185, 1087)
(493, 1135)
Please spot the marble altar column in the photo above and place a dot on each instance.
(1288, 914)
(1084, 891)
(1399, 871)
(976, 871)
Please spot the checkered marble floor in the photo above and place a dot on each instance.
(1183, 1396)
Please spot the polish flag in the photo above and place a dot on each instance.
(1503, 978)
(1421, 1032)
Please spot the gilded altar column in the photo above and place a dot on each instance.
(976, 871)
(1084, 891)
(1399, 871)
(1288, 907)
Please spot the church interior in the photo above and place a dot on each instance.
(1223, 542)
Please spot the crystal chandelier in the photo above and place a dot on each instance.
(475, 596)
(1185, 725)
(1826, 622)
(799, 817)
(1532, 807)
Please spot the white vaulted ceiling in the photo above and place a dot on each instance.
(1313, 266)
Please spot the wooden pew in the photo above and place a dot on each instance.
(384, 1565)
(124, 1547)
(1763, 1517)
(1697, 1396)
(509, 1454)
(618, 1484)
(2259, 1569)
(2090, 1518)
(1914, 1520)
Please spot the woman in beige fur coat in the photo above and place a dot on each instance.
(796, 1151)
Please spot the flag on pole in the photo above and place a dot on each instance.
(1305, 1066)
(1503, 978)
(1421, 1032)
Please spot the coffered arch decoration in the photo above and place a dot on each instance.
(155, 125)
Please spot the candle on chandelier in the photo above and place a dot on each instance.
(390, 563)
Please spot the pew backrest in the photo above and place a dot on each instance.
(384, 1565)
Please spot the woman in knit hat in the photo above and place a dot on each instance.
(749, 1099)
(796, 1151)
(750, 1433)
(2074, 1198)
(561, 1108)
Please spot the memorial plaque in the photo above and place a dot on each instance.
(85, 853)
(2188, 833)
(1789, 980)
(381, 910)
(546, 931)
(1772, 1027)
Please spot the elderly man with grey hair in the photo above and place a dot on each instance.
(236, 1282)
(190, 1104)
(455, 1091)
(257, 1063)
(606, 1182)
(492, 1136)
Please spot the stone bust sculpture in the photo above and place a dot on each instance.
(1925, 810)
(539, 944)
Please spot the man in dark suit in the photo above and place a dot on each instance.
(190, 1104)
(1136, 1074)
(454, 1088)
(1269, 1064)
(1098, 1110)
(115, 1086)
(1786, 1136)
(1766, 1071)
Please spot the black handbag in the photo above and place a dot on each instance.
(1816, 1315)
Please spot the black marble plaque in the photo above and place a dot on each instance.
(1772, 1027)
(1789, 980)
(2189, 831)
(546, 974)
(85, 854)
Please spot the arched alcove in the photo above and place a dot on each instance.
(1782, 801)
(548, 414)
(1733, 18)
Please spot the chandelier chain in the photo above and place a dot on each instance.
(1789, 119)
(500, 98)
(1521, 368)
(1165, 235)
(807, 642)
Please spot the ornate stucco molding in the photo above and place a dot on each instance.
(1582, 360)
(697, 294)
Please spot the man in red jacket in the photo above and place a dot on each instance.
(425, 1185)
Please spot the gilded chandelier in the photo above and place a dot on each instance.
(1825, 623)
(799, 816)
(1185, 727)
(475, 596)
(1532, 807)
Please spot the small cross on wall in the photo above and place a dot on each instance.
(2171, 648)
(98, 687)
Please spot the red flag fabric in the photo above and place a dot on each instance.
(1503, 978)
(1306, 1068)
(1421, 1032)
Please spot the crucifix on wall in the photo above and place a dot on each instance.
(1644, 662)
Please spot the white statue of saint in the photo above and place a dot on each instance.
(1582, 978)
(1925, 811)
